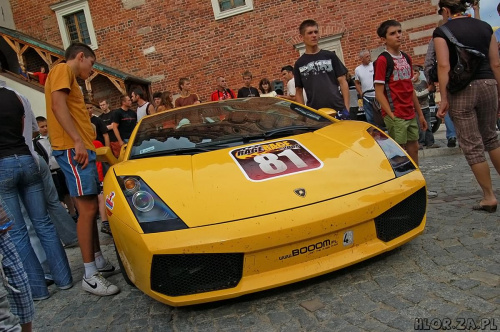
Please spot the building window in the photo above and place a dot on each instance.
(227, 8)
(77, 28)
(75, 22)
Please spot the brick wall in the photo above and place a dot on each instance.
(187, 41)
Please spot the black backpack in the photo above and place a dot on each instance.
(377, 109)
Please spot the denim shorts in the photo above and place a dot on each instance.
(80, 182)
(401, 130)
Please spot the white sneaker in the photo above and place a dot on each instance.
(98, 285)
(431, 194)
(107, 270)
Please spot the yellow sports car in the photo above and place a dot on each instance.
(217, 200)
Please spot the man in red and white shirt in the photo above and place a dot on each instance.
(222, 92)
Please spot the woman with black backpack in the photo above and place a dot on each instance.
(469, 80)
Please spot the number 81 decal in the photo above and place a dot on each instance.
(260, 162)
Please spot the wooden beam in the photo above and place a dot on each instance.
(10, 42)
(88, 86)
(42, 55)
(91, 77)
(25, 47)
(118, 84)
(56, 62)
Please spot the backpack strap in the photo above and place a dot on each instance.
(407, 57)
(388, 72)
(455, 42)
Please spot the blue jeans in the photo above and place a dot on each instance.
(65, 225)
(450, 127)
(367, 107)
(426, 137)
(20, 179)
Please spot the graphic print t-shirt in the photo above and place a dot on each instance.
(400, 85)
(126, 122)
(107, 118)
(317, 75)
(222, 95)
(248, 92)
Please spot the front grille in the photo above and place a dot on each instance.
(403, 217)
(176, 275)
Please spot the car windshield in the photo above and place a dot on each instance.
(208, 127)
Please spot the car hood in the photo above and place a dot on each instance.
(211, 187)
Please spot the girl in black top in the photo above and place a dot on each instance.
(473, 109)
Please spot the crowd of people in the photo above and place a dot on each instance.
(30, 201)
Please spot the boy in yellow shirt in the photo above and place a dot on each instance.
(71, 136)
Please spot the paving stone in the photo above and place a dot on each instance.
(465, 284)
(360, 302)
(312, 305)
(306, 320)
(485, 292)
(485, 277)
(279, 317)
(384, 316)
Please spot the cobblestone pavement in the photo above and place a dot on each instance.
(451, 271)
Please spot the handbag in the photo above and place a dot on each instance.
(468, 60)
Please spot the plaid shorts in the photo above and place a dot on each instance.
(474, 114)
(21, 303)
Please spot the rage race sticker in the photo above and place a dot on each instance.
(269, 160)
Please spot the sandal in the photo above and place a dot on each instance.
(487, 208)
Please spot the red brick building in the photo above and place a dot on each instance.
(163, 40)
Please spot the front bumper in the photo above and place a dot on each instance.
(231, 259)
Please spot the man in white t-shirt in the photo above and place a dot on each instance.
(363, 78)
(287, 74)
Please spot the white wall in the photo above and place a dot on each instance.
(36, 98)
(6, 18)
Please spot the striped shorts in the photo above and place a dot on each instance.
(80, 182)
(474, 114)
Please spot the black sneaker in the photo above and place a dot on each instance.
(105, 228)
(452, 142)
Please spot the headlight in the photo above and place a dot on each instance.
(151, 212)
(143, 201)
(397, 157)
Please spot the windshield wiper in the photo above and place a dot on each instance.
(245, 139)
(179, 151)
(287, 130)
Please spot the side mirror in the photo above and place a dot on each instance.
(122, 152)
(105, 154)
(329, 111)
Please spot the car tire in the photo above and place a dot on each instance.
(122, 269)
(435, 125)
